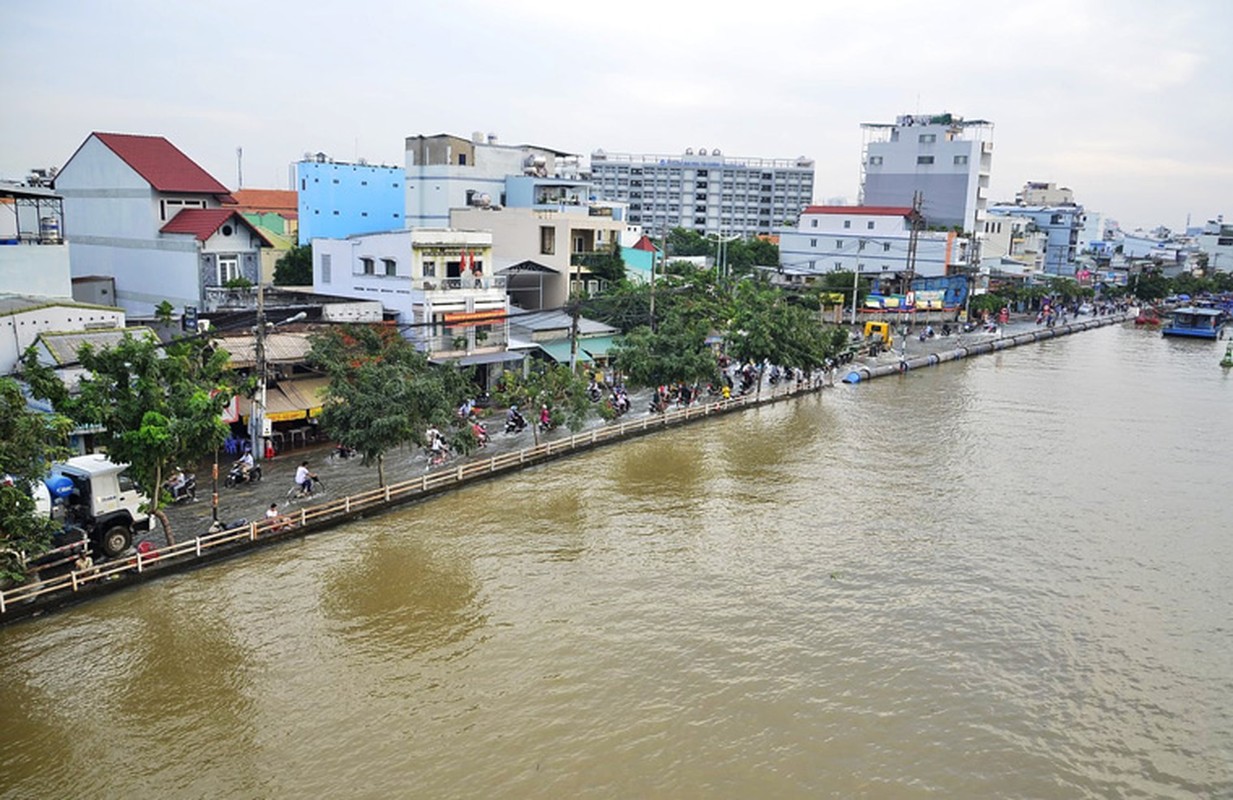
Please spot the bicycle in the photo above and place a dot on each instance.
(298, 492)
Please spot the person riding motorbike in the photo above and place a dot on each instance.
(514, 421)
(245, 463)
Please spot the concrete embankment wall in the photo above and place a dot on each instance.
(865, 372)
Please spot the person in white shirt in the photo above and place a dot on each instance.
(304, 478)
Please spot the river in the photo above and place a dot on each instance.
(1002, 577)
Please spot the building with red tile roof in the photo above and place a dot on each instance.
(130, 200)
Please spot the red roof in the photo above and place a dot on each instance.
(861, 211)
(646, 244)
(203, 222)
(161, 164)
(275, 201)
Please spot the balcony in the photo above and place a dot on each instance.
(469, 284)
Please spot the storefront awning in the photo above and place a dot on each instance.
(481, 358)
(290, 400)
(558, 351)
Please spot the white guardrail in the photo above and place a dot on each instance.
(432, 482)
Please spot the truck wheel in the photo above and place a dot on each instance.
(116, 540)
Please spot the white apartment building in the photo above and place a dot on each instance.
(440, 281)
(1012, 245)
(1041, 193)
(537, 250)
(872, 240)
(705, 191)
(1217, 242)
(943, 157)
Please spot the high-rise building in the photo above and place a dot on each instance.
(943, 157)
(705, 191)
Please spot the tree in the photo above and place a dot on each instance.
(767, 327)
(606, 264)
(158, 405)
(675, 351)
(383, 392)
(295, 268)
(555, 386)
(29, 441)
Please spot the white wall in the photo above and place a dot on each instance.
(18, 331)
(37, 269)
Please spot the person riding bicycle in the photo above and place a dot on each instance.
(304, 478)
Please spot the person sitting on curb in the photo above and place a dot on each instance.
(276, 520)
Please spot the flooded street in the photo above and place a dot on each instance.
(1005, 576)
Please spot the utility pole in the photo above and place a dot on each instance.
(913, 237)
(256, 417)
(574, 312)
(663, 243)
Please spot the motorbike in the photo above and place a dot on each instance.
(480, 432)
(515, 424)
(183, 491)
(236, 475)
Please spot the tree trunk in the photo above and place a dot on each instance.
(381, 471)
(161, 516)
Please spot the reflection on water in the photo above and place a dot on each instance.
(1003, 577)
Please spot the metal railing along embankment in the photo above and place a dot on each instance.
(32, 598)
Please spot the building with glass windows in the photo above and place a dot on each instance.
(705, 191)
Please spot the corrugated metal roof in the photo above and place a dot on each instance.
(63, 346)
(280, 348)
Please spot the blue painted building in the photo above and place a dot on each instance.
(1060, 225)
(337, 200)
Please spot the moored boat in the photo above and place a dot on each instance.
(1197, 323)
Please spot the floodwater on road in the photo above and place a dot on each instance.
(1003, 577)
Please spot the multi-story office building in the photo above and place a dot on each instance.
(337, 199)
(705, 191)
(943, 157)
(1216, 241)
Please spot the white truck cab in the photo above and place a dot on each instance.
(103, 500)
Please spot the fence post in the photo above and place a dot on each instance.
(138, 562)
(1, 602)
(460, 473)
(198, 540)
(73, 575)
(252, 531)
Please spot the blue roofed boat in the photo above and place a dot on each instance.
(1198, 323)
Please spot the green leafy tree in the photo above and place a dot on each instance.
(768, 327)
(164, 311)
(295, 268)
(1150, 286)
(564, 392)
(675, 351)
(158, 405)
(384, 393)
(29, 441)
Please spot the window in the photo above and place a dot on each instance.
(228, 268)
(169, 208)
(430, 269)
(813, 223)
(813, 242)
(860, 244)
(847, 223)
(367, 266)
(391, 269)
(875, 161)
(462, 159)
(869, 225)
(928, 138)
(839, 265)
(126, 482)
(960, 160)
(325, 268)
(547, 240)
(885, 247)
(839, 244)
(924, 159)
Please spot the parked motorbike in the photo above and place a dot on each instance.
(236, 476)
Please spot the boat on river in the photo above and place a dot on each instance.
(1195, 322)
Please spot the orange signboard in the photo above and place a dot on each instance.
(474, 317)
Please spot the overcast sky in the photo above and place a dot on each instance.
(1127, 102)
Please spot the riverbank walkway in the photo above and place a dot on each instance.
(348, 489)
